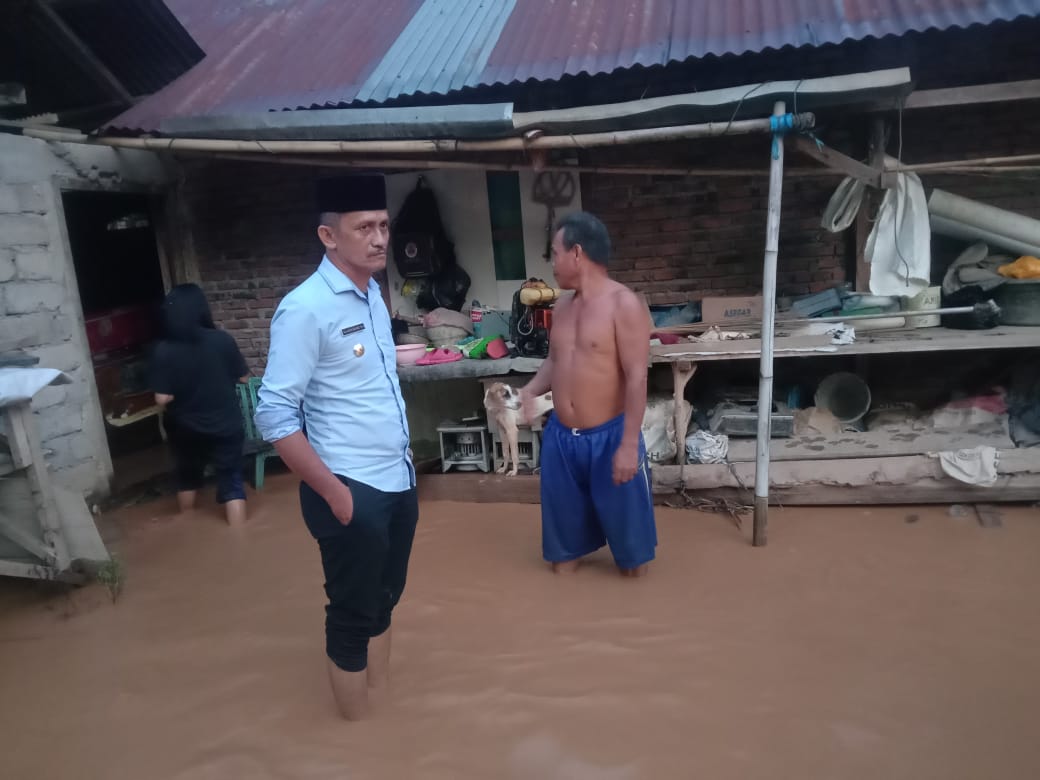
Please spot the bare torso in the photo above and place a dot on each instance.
(587, 378)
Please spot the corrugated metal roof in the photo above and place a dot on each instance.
(547, 39)
(289, 54)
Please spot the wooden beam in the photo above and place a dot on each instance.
(22, 427)
(1017, 469)
(877, 342)
(1001, 92)
(876, 155)
(873, 495)
(11, 531)
(883, 443)
(682, 373)
(84, 54)
(834, 159)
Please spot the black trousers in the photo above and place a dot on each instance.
(193, 451)
(365, 564)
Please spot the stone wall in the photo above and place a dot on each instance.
(39, 300)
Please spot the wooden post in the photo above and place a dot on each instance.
(876, 154)
(27, 453)
(765, 371)
(682, 373)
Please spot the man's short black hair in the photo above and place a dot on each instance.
(585, 229)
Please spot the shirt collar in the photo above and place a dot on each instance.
(339, 282)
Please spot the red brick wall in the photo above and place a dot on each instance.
(254, 236)
(679, 239)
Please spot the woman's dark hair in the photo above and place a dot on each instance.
(185, 313)
(585, 229)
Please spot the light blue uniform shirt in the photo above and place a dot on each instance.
(332, 372)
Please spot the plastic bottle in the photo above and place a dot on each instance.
(476, 316)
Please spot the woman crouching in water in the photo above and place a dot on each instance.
(194, 370)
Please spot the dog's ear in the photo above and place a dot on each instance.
(487, 395)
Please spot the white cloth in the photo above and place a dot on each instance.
(705, 447)
(974, 466)
(21, 384)
(899, 248)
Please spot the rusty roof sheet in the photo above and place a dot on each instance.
(289, 54)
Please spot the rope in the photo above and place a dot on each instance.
(779, 125)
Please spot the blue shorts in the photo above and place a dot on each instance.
(582, 508)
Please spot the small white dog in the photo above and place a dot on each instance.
(502, 402)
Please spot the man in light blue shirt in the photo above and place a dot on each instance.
(331, 404)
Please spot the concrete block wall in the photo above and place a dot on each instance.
(39, 299)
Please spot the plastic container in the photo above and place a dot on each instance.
(407, 354)
(844, 395)
(1019, 301)
(924, 300)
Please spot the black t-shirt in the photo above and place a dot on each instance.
(201, 377)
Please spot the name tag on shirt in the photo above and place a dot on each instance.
(353, 329)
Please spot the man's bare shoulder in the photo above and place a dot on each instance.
(624, 297)
(563, 301)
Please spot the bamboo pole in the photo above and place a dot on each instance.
(978, 162)
(622, 170)
(765, 371)
(429, 146)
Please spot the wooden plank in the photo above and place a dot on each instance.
(24, 539)
(18, 440)
(872, 343)
(889, 442)
(735, 349)
(1016, 469)
(875, 495)
(855, 88)
(35, 571)
(682, 373)
(1001, 92)
(78, 527)
(876, 153)
(20, 415)
(835, 160)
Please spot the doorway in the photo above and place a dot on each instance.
(120, 278)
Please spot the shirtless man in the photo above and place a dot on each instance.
(595, 480)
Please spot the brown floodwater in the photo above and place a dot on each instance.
(861, 643)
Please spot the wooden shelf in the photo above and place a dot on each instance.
(867, 343)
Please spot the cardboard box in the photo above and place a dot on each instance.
(748, 307)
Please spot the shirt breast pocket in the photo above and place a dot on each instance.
(351, 349)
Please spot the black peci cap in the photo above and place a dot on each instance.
(360, 192)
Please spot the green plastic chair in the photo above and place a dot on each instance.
(254, 443)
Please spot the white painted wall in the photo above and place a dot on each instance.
(39, 299)
(463, 203)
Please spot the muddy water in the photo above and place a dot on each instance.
(857, 645)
